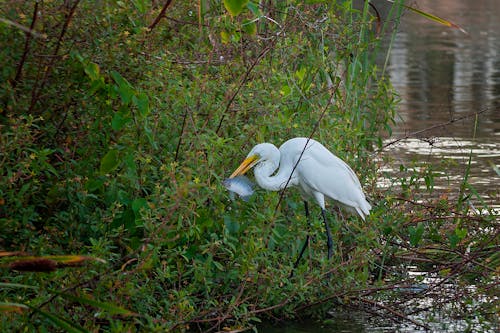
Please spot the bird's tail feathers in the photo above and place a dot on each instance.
(364, 209)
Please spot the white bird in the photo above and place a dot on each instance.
(316, 171)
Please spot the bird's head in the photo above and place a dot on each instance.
(260, 153)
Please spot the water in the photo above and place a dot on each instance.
(441, 75)
(444, 77)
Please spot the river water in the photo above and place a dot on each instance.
(443, 77)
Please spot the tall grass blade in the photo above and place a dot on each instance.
(60, 322)
(11, 253)
(16, 285)
(434, 18)
(108, 307)
(44, 263)
(495, 168)
(12, 307)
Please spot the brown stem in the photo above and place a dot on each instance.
(444, 124)
(181, 135)
(48, 69)
(26, 48)
(160, 16)
(394, 312)
(240, 85)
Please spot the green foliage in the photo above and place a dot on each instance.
(115, 138)
(235, 7)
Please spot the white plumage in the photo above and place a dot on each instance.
(316, 171)
(318, 174)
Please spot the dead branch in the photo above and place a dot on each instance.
(48, 69)
(160, 16)
(394, 312)
(444, 124)
(27, 43)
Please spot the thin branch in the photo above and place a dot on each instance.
(242, 82)
(181, 135)
(30, 30)
(160, 16)
(394, 312)
(48, 69)
(444, 124)
(27, 43)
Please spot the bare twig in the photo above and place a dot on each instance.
(242, 82)
(160, 16)
(181, 135)
(30, 30)
(29, 34)
(228, 312)
(394, 312)
(379, 20)
(48, 69)
(444, 124)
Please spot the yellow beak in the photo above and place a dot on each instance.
(246, 165)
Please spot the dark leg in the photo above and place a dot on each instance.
(329, 242)
(306, 243)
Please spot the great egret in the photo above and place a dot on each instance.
(316, 171)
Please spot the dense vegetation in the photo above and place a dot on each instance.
(120, 119)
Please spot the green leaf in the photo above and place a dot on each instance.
(219, 266)
(301, 73)
(150, 135)
(254, 8)
(137, 204)
(453, 238)
(92, 70)
(461, 233)
(140, 5)
(416, 234)
(119, 80)
(93, 185)
(235, 7)
(126, 219)
(249, 27)
(119, 120)
(225, 37)
(285, 90)
(109, 162)
(123, 87)
(96, 85)
(129, 161)
(236, 37)
(142, 102)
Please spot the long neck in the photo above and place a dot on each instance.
(263, 175)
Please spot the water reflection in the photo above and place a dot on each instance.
(445, 154)
(442, 74)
